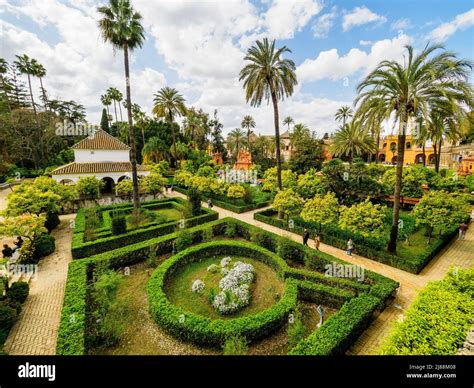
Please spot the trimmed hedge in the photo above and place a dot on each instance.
(206, 331)
(73, 316)
(369, 248)
(81, 249)
(338, 333)
(227, 205)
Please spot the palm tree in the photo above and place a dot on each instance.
(40, 72)
(169, 104)
(343, 113)
(268, 75)
(248, 123)
(235, 140)
(351, 140)
(115, 95)
(140, 119)
(288, 121)
(154, 150)
(121, 26)
(371, 120)
(24, 66)
(409, 91)
(106, 100)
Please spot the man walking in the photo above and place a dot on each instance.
(305, 237)
(462, 231)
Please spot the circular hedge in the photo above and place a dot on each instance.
(206, 331)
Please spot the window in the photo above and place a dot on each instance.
(408, 146)
(92, 152)
(384, 145)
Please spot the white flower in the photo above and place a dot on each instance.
(198, 286)
(213, 268)
(225, 261)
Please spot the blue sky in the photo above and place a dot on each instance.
(198, 48)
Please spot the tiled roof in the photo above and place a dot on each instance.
(93, 168)
(100, 140)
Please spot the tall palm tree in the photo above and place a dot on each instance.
(154, 150)
(408, 91)
(343, 113)
(288, 121)
(106, 101)
(115, 95)
(268, 75)
(140, 119)
(24, 65)
(169, 103)
(40, 72)
(248, 123)
(371, 120)
(4, 67)
(235, 140)
(352, 140)
(121, 26)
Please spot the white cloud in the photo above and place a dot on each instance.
(359, 16)
(460, 22)
(323, 24)
(401, 24)
(329, 64)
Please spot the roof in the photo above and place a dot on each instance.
(285, 134)
(93, 168)
(100, 140)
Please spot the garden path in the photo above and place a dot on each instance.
(457, 253)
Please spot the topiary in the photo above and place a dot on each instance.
(119, 225)
(7, 319)
(52, 221)
(44, 246)
(18, 292)
(194, 197)
(184, 240)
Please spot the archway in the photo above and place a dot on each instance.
(420, 159)
(394, 160)
(431, 159)
(109, 185)
(382, 158)
(67, 182)
(122, 178)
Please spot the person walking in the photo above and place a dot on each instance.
(305, 237)
(462, 231)
(209, 203)
(350, 246)
(317, 242)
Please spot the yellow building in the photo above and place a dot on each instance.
(413, 152)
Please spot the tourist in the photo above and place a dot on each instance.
(350, 246)
(317, 242)
(209, 203)
(305, 237)
(462, 231)
(18, 243)
(7, 252)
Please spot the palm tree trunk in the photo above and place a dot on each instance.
(120, 110)
(435, 152)
(131, 134)
(115, 108)
(31, 94)
(438, 159)
(392, 245)
(174, 139)
(377, 148)
(45, 97)
(277, 138)
(424, 155)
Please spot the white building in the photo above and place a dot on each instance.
(100, 155)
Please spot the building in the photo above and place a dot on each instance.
(466, 166)
(413, 152)
(100, 155)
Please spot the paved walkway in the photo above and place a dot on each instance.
(457, 253)
(36, 330)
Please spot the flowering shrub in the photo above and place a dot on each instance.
(213, 268)
(198, 286)
(234, 286)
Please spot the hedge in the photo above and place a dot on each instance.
(73, 316)
(369, 248)
(338, 333)
(228, 205)
(81, 249)
(206, 331)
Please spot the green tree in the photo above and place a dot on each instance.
(169, 104)
(268, 75)
(89, 187)
(248, 123)
(287, 202)
(307, 151)
(235, 192)
(409, 91)
(442, 210)
(121, 26)
(235, 140)
(352, 140)
(124, 188)
(364, 218)
(309, 184)
(288, 178)
(104, 121)
(321, 209)
(343, 113)
(288, 121)
(30, 226)
(412, 180)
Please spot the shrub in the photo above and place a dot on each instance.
(194, 197)
(52, 221)
(207, 235)
(44, 246)
(183, 240)
(235, 346)
(18, 292)
(119, 225)
(7, 320)
(289, 250)
(296, 329)
(152, 260)
(230, 230)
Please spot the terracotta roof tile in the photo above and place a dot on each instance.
(100, 140)
(92, 168)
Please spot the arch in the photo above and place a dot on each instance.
(384, 145)
(67, 182)
(408, 146)
(109, 185)
(420, 159)
(431, 159)
(382, 158)
(394, 159)
(122, 178)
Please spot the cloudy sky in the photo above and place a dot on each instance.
(197, 46)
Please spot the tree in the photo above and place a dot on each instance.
(307, 151)
(106, 101)
(287, 202)
(25, 66)
(442, 210)
(236, 192)
(30, 226)
(4, 68)
(321, 209)
(343, 113)
(235, 140)
(121, 26)
(288, 121)
(124, 188)
(40, 72)
(104, 121)
(364, 218)
(181, 150)
(217, 141)
(410, 90)
(288, 178)
(309, 184)
(169, 104)
(154, 183)
(89, 187)
(248, 123)
(268, 75)
(412, 180)
(352, 140)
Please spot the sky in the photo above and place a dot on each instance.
(198, 47)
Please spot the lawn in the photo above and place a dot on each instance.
(265, 290)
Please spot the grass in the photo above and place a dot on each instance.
(266, 288)
(162, 215)
(416, 245)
